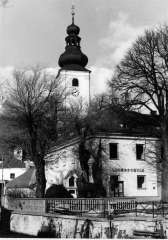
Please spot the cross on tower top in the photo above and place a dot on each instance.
(73, 12)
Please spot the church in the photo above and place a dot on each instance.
(129, 159)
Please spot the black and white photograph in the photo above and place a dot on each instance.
(84, 119)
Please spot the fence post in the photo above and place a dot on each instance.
(153, 209)
(104, 203)
(162, 208)
(46, 208)
(136, 204)
(83, 206)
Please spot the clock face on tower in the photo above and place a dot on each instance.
(75, 92)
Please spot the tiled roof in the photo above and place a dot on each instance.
(115, 121)
(26, 180)
(112, 118)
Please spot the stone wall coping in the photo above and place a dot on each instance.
(137, 218)
(97, 219)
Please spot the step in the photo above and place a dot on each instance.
(146, 233)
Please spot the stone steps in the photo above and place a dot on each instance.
(145, 234)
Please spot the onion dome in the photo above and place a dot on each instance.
(73, 29)
(73, 58)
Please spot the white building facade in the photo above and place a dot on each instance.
(62, 164)
(129, 165)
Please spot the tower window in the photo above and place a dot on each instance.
(75, 82)
(113, 150)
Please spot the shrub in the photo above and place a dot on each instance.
(92, 190)
(57, 191)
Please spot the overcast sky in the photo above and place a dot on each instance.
(33, 32)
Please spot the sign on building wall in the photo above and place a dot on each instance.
(127, 170)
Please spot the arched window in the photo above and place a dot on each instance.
(75, 82)
(71, 181)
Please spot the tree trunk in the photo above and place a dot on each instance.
(164, 183)
(40, 177)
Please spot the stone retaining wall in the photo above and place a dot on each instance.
(65, 226)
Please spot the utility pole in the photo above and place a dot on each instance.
(3, 185)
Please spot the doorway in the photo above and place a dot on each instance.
(116, 186)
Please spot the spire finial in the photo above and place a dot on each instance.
(73, 13)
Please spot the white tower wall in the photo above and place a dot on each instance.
(75, 95)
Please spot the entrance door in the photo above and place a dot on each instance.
(119, 190)
(117, 187)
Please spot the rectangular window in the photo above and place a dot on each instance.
(113, 148)
(139, 151)
(12, 175)
(141, 181)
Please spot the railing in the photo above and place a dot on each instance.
(153, 208)
(125, 205)
(78, 206)
(97, 207)
(148, 208)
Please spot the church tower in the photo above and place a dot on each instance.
(73, 76)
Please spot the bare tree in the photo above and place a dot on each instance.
(141, 78)
(82, 124)
(29, 117)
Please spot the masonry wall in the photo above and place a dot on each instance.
(60, 163)
(83, 95)
(63, 226)
(65, 159)
(127, 167)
